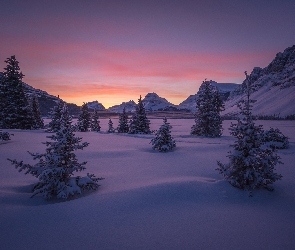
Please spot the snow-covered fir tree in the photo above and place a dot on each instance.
(139, 124)
(84, 119)
(55, 114)
(15, 111)
(163, 140)
(123, 126)
(56, 167)
(111, 127)
(95, 122)
(207, 117)
(38, 121)
(251, 163)
(4, 136)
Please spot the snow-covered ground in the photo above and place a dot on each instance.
(148, 199)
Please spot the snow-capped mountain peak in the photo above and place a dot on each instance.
(154, 102)
(129, 107)
(95, 105)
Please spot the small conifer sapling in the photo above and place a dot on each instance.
(95, 123)
(123, 126)
(163, 140)
(5, 136)
(111, 127)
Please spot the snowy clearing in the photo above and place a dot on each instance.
(148, 199)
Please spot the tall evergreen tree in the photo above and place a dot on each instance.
(55, 114)
(84, 119)
(139, 124)
(251, 163)
(207, 118)
(38, 121)
(123, 126)
(163, 140)
(57, 165)
(111, 128)
(15, 109)
(95, 122)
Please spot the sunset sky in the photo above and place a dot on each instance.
(114, 51)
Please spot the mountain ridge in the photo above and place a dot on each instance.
(272, 87)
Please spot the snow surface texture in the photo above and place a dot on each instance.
(148, 200)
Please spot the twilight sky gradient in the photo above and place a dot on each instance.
(113, 51)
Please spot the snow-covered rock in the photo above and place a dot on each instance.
(95, 105)
(273, 88)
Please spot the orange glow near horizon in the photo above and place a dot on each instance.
(112, 76)
(84, 72)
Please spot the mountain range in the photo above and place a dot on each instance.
(273, 88)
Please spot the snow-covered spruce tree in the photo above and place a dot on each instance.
(84, 119)
(111, 128)
(55, 114)
(139, 124)
(15, 108)
(57, 165)
(95, 122)
(123, 126)
(38, 121)
(4, 136)
(251, 163)
(274, 138)
(207, 117)
(163, 140)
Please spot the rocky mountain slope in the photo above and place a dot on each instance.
(47, 101)
(154, 102)
(273, 88)
(224, 89)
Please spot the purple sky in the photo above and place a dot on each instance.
(114, 51)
